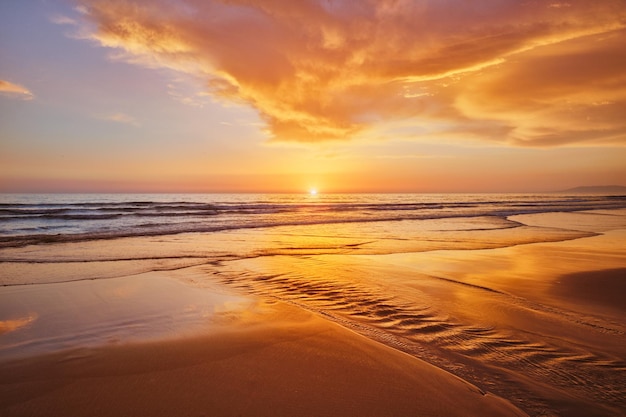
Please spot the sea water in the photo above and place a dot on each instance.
(35, 218)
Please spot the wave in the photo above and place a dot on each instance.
(158, 229)
(42, 219)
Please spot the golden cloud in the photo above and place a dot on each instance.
(522, 72)
(569, 92)
(15, 90)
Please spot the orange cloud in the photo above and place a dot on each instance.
(15, 90)
(570, 92)
(322, 70)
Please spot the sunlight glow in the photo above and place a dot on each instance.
(313, 191)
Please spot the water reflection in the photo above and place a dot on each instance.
(89, 313)
(11, 325)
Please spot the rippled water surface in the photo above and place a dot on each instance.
(64, 217)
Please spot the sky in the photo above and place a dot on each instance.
(337, 95)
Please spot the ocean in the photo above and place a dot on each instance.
(35, 218)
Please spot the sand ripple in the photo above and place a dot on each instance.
(511, 363)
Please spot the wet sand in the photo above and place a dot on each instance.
(274, 360)
(605, 288)
(340, 322)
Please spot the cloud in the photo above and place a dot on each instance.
(121, 118)
(571, 92)
(12, 90)
(320, 70)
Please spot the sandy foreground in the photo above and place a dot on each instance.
(495, 323)
(277, 360)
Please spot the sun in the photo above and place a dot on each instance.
(313, 191)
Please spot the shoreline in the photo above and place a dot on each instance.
(517, 321)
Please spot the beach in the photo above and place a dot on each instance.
(279, 361)
(318, 208)
(489, 314)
